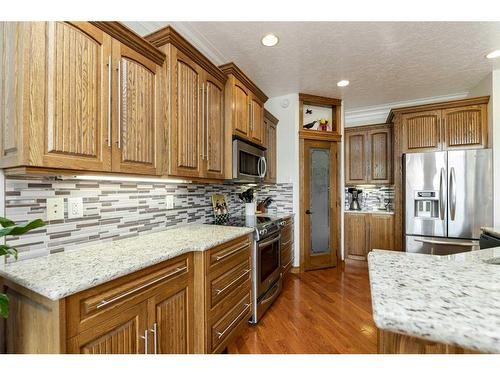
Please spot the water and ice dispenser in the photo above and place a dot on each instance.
(426, 204)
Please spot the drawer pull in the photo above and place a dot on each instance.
(286, 266)
(220, 257)
(114, 299)
(220, 334)
(219, 291)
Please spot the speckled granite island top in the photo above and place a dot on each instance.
(59, 275)
(449, 299)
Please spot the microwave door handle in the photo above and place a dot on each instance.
(264, 163)
(258, 167)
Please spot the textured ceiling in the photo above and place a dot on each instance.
(384, 61)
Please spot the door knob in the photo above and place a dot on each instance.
(308, 212)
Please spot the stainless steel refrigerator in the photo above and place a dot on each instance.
(448, 198)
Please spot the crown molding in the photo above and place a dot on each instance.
(378, 114)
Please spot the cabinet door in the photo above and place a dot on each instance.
(186, 121)
(241, 113)
(256, 121)
(381, 232)
(379, 156)
(214, 128)
(135, 132)
(78, 57)
(121, 334)
(465, 127)
(355, 244)
(355, 158)
(169, 313)
(421, 131)
(271, 153)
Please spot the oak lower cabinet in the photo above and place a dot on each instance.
(368, 154)
(286, 251)
(192, 89)
(270, 142)
(82, 98)
(365, 231)
(151, 311)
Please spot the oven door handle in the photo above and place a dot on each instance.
(276, 288)
(273, 240)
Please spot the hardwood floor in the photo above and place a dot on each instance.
(325, 311)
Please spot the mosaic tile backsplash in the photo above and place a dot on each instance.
(373, 197)
(114, 210)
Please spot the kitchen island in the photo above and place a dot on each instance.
(436, 304)
(181, 290)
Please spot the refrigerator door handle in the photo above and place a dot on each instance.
(453, 194)
(450, 243)
(442, 196)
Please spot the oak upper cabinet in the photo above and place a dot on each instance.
(82, 113)
(422, 131)
(465, 127)
(270, 142)
(368, 154)
(256, 120)
(214, 134)
(460, 124)
(244, 106)
(192, 89)
(355, 157)
(136, 136)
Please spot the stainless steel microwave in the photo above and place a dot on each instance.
(249, 162)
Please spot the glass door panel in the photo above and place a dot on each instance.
(319, 200)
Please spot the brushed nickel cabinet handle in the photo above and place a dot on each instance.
(202, 120)
(145, 338)
(154, 331)
(220, 334)
(119, 105)
(206, 124)
(220, 257)
(219, 291)
(131, 291)
(110, 80)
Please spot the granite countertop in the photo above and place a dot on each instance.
(451, 299)
(59, 275)
(493, 231)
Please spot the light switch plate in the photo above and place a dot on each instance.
(75, 207)
(55, 209)
(169, 201)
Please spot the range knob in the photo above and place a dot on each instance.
(283, 223)
(263, 232)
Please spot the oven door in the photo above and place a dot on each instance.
(268, 262)
(249, 162)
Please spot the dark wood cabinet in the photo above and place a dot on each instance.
(368, 154)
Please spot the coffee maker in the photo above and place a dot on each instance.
(354, 206)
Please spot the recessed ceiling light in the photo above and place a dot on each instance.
(343, 83)
(269, 40)
(493, 55)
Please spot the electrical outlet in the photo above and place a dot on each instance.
(169, 201)
(55, 209)
(75, 207)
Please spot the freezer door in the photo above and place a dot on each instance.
(439, 246)
(426, 194)
(470, 192)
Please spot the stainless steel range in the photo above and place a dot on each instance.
(266, 267)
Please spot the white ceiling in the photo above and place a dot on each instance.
(384, 61)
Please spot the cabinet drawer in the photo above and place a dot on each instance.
(230, 254)
(230, 323)
(229, 281)
(98, 304)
